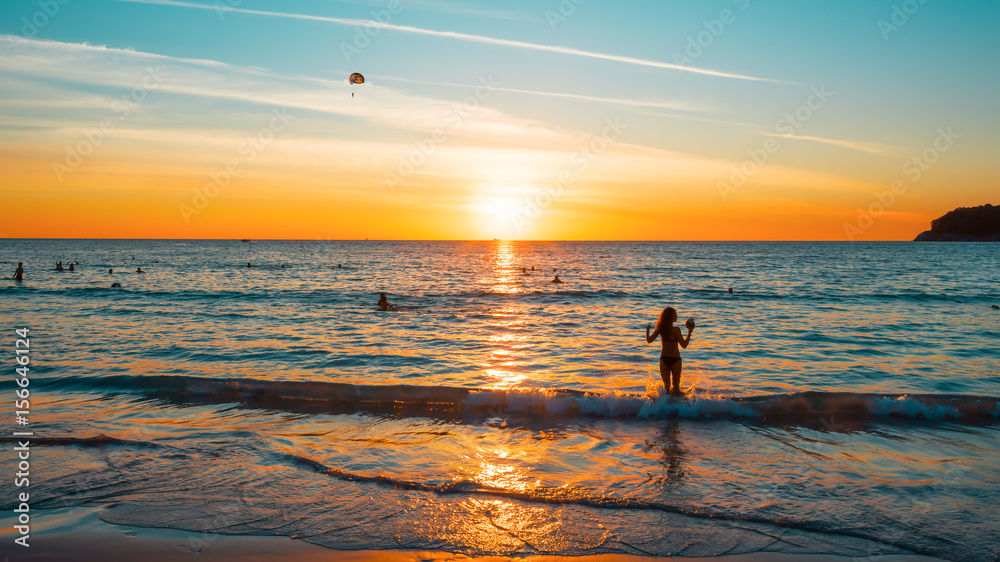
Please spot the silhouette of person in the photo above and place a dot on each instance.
(730, 290)
(19, 272)
(71, 267)
(139, 270)
(670, 356)
(111, 271)
(556, 280)
(248, 264)
(59, 266)
(384, 304)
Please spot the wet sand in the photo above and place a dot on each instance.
(79, 534)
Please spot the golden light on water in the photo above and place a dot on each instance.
(503, 360)
(500, 469)
(505, 272)
(506, 323)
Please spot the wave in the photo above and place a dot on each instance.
(566, 495)
(557, 496)
(799, 407)
(333, 295)
(556, 293)
(98, 441)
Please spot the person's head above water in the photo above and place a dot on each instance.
(382, 296)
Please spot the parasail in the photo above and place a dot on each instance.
(357, 78)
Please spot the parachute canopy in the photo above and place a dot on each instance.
(357, 78)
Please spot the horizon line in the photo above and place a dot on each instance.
(251, 240)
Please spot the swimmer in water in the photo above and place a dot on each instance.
(524, 271)
(556, 280)
(19, 272)
(248, 264)
(116, 285)
(670, 356)
(384, 304)
(59, 266)
(71, 267)
(111, 272)
(139, 270)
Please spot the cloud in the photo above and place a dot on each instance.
(119, 71)
(463, 37)
(181, 113)
(365, 135)
(870, 147)
(451, 8)
(669, 104)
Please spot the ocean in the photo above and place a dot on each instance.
(843, 399)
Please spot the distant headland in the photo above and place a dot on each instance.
(965, 224)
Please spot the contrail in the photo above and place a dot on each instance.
(462, 37)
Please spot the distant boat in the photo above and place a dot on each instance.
(245, 240)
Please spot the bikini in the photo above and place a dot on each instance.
(669, 360)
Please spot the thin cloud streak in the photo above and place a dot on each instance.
(872, 148)
(464, 37)
(685, 106)
(701, 119)
(445, 7)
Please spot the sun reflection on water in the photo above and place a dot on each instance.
(504, 258)
(506, 323)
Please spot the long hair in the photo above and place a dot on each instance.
(666, 318)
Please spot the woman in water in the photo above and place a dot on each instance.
(670, 357)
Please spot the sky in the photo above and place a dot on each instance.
(524, 120)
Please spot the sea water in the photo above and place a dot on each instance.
(842, 399)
